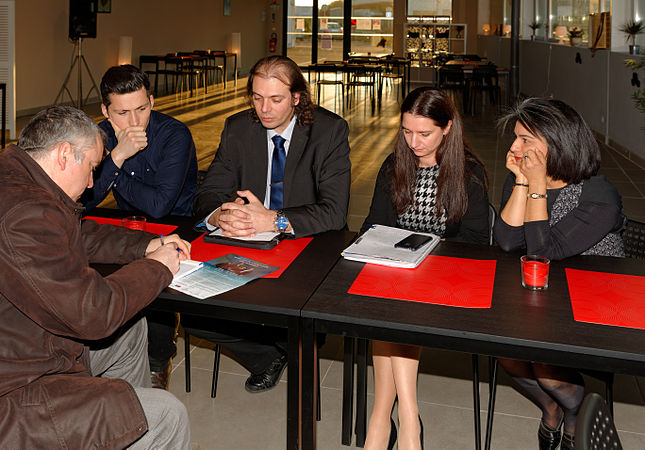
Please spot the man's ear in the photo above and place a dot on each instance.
(152, 101)
(104, 111)
(295, 99)
(64, 154)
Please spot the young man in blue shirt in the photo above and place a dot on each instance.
(151, 169)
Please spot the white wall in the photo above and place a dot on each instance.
(43, 50)
(599, 87)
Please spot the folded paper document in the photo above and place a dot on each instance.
(376, 246)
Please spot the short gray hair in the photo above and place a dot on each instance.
(58, 124)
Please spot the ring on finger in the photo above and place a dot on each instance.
(526, 156)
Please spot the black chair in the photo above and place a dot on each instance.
(214, 72)
(323, 70)
(361, 75)
(595, 429)
(393, 70)
(216, 371)
(452, 80)
(146, 60)
(633, 235)
(484, 79)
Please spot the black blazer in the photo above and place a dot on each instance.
(316, 174)
(473, 226)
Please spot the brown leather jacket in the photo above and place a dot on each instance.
(50, 300)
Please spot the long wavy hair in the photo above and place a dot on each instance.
(452, 156)
(288, 72)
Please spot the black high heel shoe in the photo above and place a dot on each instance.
(392, 441)
(549, 437)
(421, 432)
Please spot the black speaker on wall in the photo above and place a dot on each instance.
(82, 19)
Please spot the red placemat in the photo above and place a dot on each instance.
(607, 298)
(441, 280)
(156, 228)
(281, 255)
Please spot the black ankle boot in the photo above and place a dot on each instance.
(390, 444)
(548, 437)
(421, 432)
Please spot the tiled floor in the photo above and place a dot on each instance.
(239, 420)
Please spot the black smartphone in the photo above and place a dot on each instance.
(413, 242)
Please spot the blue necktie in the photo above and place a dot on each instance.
(277, 171)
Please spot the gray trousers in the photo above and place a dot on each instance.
(125, 356)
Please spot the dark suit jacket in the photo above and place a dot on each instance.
(316, 173)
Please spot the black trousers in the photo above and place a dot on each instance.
(254, 346)
(161, 338)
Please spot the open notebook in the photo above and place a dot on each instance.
(376, 246)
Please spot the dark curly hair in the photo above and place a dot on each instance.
(288, 72)
(573, 154)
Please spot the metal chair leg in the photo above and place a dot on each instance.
(215, 371)
(348, 391)
(361, 393)
(492, 388)
(187, 358)
(476, 408)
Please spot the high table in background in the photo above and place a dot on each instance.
(274, 302)
(521, 324)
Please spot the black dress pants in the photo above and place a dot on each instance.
(161, 338)
(254, 346)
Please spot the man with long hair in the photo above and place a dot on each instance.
(282, 165)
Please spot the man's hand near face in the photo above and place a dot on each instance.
(131, 141)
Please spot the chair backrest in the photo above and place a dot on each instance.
(595, 428)
(492, 216)
(634, 239)
(451, 76)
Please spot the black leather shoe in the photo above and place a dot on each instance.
(549, 437)
(390, 444)
(269, 378)
(160, 379)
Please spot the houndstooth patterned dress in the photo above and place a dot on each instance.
(421, 215)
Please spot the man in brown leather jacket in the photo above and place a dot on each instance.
(73, 360)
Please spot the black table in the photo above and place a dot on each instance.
(522, 324)
(271, 301)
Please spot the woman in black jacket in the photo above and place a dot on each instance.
(554, 205)
(433, 183)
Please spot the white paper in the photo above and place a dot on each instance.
(186, 267)
(363, 24)
(300, 24)
(220, 275)
(376, 246)
(265, 236)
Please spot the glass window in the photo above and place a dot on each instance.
(541, 18)
(330, 30)
(430, 8)
(575, 14)
(299, 30)
(372, 27)
(639, 14)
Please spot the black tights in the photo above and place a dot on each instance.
(555, 390)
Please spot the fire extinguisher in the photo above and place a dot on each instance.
(272, 42)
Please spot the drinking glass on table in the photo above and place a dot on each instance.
(535, 272)
(135, 222)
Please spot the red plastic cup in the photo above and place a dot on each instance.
(135, 222)
(535, 272)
